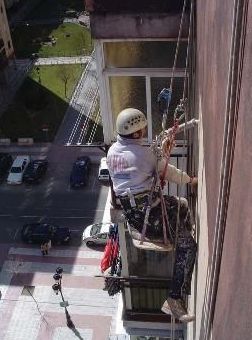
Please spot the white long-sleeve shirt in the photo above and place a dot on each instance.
(132, 166)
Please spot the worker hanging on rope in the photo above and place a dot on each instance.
(132, 169)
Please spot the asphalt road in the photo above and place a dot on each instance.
(52, 201)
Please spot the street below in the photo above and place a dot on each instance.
(29, 307)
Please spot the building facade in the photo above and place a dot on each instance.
(223, 102)
(6, 47)
(135, 50)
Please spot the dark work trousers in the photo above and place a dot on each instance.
(186, 247)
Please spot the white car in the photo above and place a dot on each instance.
(17, 169)
(103, 173)
(96, 234)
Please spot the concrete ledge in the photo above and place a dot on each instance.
(25, 141)
(5, 141)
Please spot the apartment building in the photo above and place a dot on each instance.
(135, 47)
(6, 47)
(10, 3)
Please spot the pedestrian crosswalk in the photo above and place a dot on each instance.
(38, 315)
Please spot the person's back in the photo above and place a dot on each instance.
(131, 165)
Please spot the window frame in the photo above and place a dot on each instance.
(104, 74)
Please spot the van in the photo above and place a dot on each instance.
(17, 169)
(103, 173)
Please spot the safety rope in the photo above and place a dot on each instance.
(165, 94)
(168, 92)
(185, 126)
(180, 112)
(178, 43)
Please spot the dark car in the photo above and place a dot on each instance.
(80, 172)
(39, 232)
(5, 164)
(35, 171)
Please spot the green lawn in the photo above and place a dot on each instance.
(52, 78)
(71, 40)
(40, 103)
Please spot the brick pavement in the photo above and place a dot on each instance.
(40, 316)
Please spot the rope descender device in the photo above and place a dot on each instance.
(179, 112)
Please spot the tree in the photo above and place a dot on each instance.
(64, 75)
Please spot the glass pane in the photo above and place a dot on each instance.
(144, 263)
(127, 92)
(148, 299)
(157, 84)
(144, 54)
(142, 337)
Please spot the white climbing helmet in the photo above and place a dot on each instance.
(129, 121)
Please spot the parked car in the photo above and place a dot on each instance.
(103, 173)
(96, 234)
(35, 171)
(17, 169)
(5, 164)
(80, 172)
(71, 14)
(39, 232)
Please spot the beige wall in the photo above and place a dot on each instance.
(234, 291)
(5, 31)
(234, 296)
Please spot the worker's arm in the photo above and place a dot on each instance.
(189, 125)
(176, 175)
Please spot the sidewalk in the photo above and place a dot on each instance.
(37, 148)
(40, 316)
(62, 60)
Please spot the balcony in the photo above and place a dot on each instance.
(147, 275)
(136, 19)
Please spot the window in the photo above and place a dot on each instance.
(147, 337)
(144, 264)
(134, 73)
(103, 236)
(104, 172)
(157, 84)
(147, 54)
(16, 170)
(127, 92)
